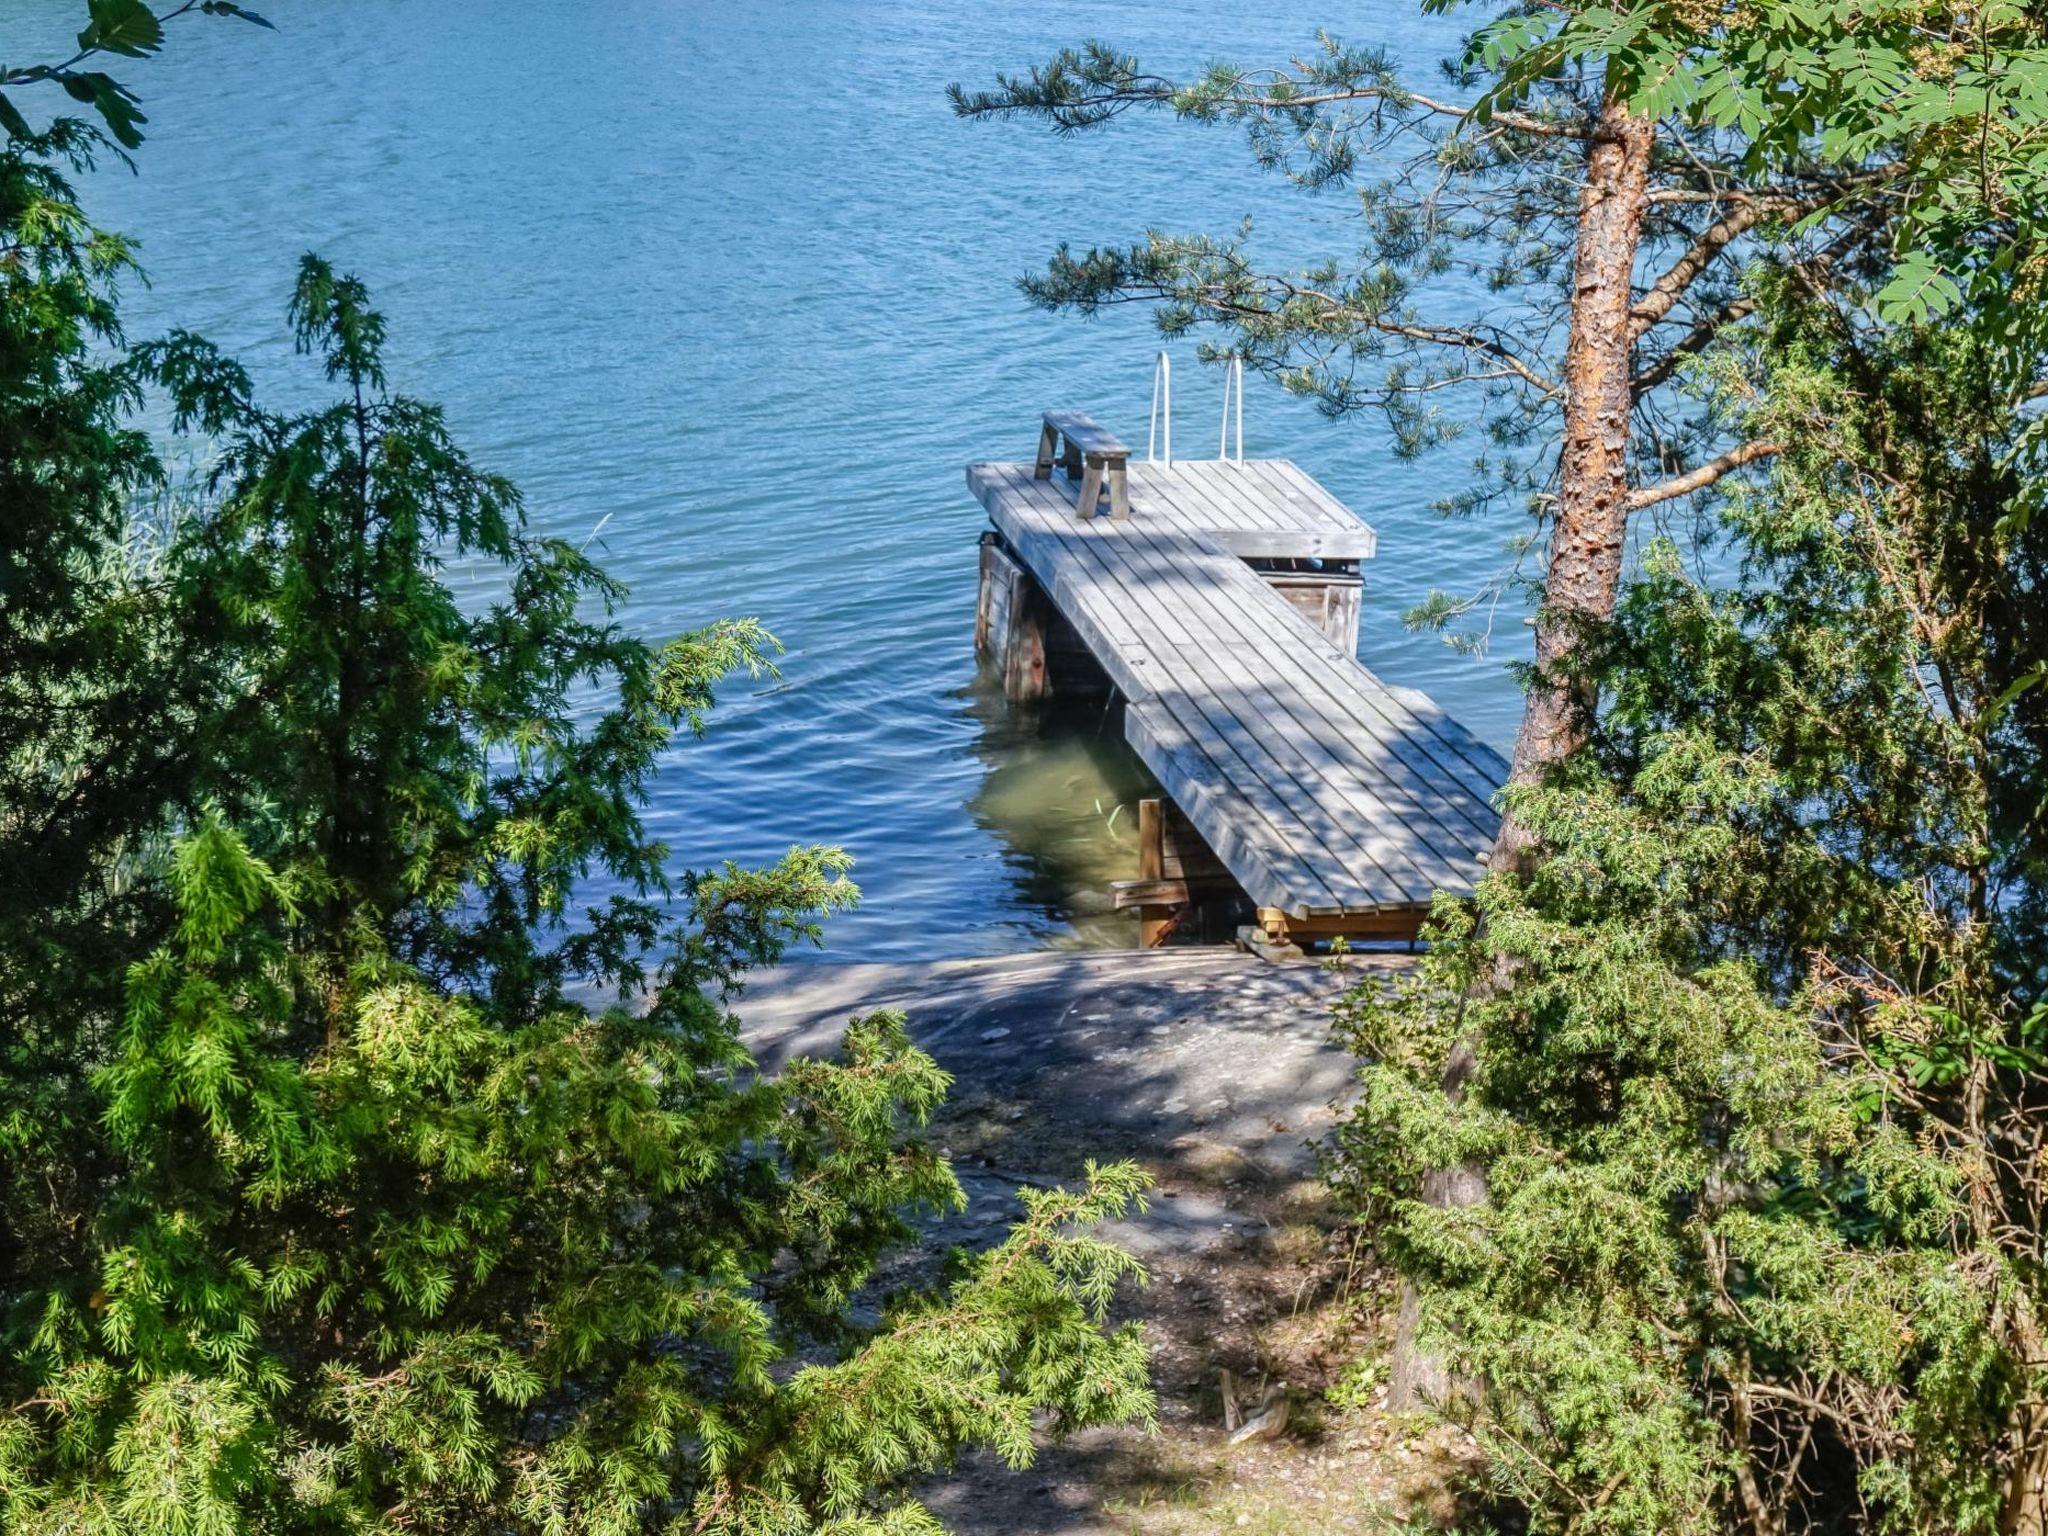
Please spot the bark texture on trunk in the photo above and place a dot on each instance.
(1592, 479)
(1580, 586)
(2026, 1483)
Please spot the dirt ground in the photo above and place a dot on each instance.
(1215, 1071)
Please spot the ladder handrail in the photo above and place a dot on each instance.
(1162, 393)
(1233, 395)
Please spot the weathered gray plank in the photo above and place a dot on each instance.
(1265, 717)
(1407, 838)
(1349, 831)
(1342, 703)
(1086, 433)
(1185, 583)
(1075, 563)
(1170, 493)
(1322, 788)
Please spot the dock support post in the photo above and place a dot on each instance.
(1154, 922)
(1010, 624)
(1270, 939)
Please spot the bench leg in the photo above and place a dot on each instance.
(1047, 440)
(1119, 492)
(1091, 489)
(1073, 460)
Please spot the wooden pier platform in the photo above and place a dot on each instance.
(1223, 607)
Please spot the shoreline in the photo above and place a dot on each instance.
(1216, 1071)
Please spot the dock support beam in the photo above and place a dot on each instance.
(1010, 624)
(1021, 636)
(1278, 936)
(1154, 922)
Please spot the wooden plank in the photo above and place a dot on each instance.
(1202, 589)
(1225, 756)
(1319, 534)
(1471, 830)
(1453, 826)
(1462, 755)
(1196, 762)
(1190, 496)
(1334, 843)
(1125, 894)
(1153, 917)
(1086, 433)
(1184, 853)
(1271, 740)
(1296, 785)
(1153, 488)
(1214, 502)
(1442, 759)
(1244, 842)
(1091, 489)
(1307, 775)
(1285, 472)
(1048, 441)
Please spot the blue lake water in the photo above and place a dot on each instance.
(728, 288)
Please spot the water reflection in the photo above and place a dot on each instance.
(1061, 795)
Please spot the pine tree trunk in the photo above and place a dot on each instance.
(1582, 582)
(1592, 491)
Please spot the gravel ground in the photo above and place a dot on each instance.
(1216, 1071)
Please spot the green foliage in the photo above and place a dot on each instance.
(125, 28)
(451, 1272)
(1759, 1041)
(357, 1171)
(1958, 93)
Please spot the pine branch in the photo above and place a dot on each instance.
(1080, 88)
(1696, 339)
(1699, 479)
(1662, 295)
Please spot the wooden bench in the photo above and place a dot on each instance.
(1091, 454)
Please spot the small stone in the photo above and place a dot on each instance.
(998, 1033)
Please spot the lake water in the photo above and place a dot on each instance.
(726, 286)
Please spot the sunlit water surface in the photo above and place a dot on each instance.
(726, 288)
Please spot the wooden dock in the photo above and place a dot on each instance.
(1223, 607)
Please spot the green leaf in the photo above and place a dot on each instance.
(1918, 291)
(122, 26)
(225, 8)
(114, 103)
(12, 120)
